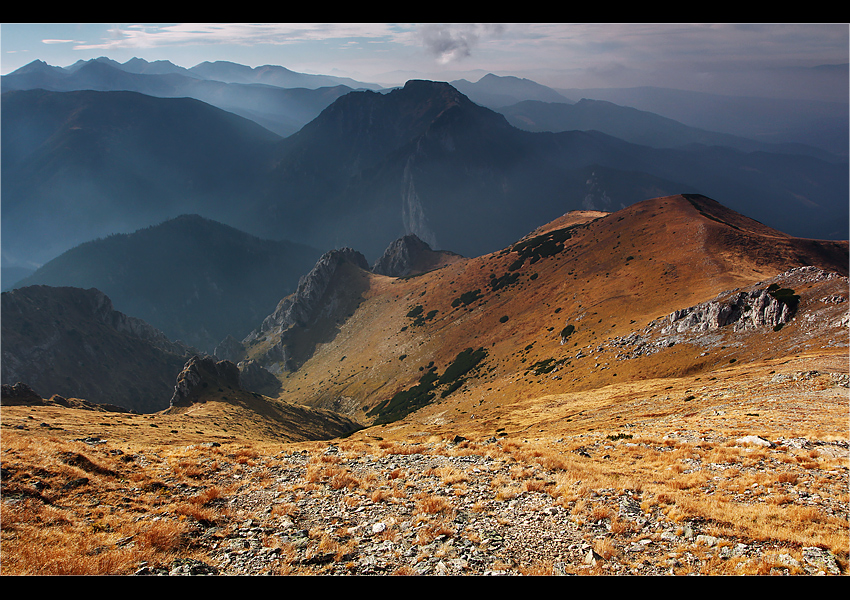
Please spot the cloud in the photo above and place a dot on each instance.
(247, 34)
(453, 42)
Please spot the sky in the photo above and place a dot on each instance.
(752, 59)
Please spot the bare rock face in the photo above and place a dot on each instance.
(316, 297)
(401, 256)
(200, 374)
(300, 307)
(745, 310)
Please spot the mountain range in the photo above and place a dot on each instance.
(277, 98)
(370, 168)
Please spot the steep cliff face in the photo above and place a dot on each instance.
(70, 341)
(318, 300)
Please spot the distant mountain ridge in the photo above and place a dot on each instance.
(637, 127)
(815, 123)
(495, 91)
(68, 158)
(282, 108)
(372, 167)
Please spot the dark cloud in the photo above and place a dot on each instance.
(453, 42)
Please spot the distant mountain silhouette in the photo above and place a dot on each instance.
(81, 165)
(636, 126)
(231, 72)
(283, 108)
(494, 91)
(424, 159)
(774, 120)
(196, 280)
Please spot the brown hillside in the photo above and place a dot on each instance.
(615, 274)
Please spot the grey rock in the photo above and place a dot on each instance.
(230, 349)
(820, 560)
(256, 378)
(312, 299)
(203, 372)
(399, 258)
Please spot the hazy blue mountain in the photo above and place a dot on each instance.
(636, 126)
(194, 279)
(157, 67)
(494, 91)
(12, 275)
(372, 167)
(424, 159)
(230, 72)
(280, 110)
(815, 123)
(81, 165)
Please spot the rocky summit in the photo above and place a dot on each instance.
(200, 373)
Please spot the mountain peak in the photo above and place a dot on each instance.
(409, 255)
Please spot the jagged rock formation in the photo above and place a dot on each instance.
(315, 298)
(300, 307)
(201, 373)
(409, 255)
(400, 257)
(766, 306)
(70, 341)
(744, 310)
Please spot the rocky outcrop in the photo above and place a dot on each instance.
(301, 307)
(745, 310)
(318, 297)
(200, 374)
(819, 312)
(230, 349)
(400, 258)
